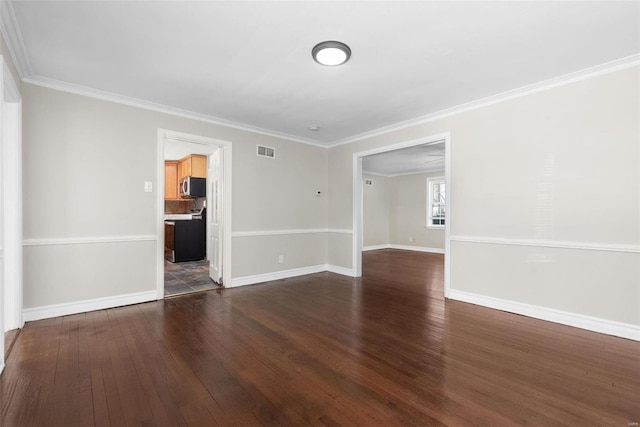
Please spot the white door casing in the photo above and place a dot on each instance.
(11, 269)
(225, 220)
(215, 215)
(11, 123)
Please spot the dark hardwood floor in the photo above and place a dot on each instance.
(9, 339)
(322, 349)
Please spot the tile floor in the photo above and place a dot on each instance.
(186, 277)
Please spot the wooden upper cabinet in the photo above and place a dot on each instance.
(174, 170)
(171, 181)
(193, 165)
(199, 166)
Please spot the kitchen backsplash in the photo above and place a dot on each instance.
(198, 203)
(184, 206)
(175, 206)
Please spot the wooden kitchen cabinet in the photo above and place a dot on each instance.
(193, 165)
(169, 242)
(171, 181)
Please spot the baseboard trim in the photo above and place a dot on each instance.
(65, 309)
(417, 249)
(340, 270)
(375, 247)
(595, 324)
(285, 274)
(403, 248)
(276, 275)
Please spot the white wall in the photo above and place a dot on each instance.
(85, 162)
(376, 211)
(408, 203)
(532, 179)
(394, 209)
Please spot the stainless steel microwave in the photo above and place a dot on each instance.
(193, 187)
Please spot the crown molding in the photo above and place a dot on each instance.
(13, 37)
(11, 91)
(11, 33)
(160, 108)
(393, 175)
(434, 171)
(587, 73)
(364, 172)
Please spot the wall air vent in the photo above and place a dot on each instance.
(266, 152)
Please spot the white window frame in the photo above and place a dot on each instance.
(430, 182)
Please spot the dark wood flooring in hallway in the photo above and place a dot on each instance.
(322, 349)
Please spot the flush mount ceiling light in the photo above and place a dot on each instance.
(331, 53)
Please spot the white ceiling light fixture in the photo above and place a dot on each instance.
(331, 53)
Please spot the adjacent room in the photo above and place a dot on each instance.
(372, 213)
(192, 258)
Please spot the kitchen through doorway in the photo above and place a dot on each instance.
(192, 214)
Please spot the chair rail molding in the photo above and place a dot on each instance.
(254, 233)
(587, 246)
(90, 240)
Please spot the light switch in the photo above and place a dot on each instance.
(148, 186)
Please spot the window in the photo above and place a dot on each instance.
(436, 202)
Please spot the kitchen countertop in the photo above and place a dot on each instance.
(174, 217)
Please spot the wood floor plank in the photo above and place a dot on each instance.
(323, 349)
(134, 403)
(104, 370)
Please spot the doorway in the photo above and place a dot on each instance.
(358, 199)
(187, 261)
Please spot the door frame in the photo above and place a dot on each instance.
(164, 134)
(11, 248)
(358, 219)
(210, 212)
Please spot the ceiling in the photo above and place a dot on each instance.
(422, 158)
(176, 150)
(248, 64)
